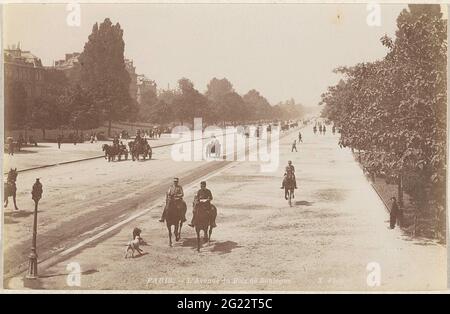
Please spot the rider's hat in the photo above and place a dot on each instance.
(176, 179)
(203, 183)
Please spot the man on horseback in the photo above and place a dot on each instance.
(138, 137)
(202, 201)
(116, 141)
(175, 195)
(290, 172)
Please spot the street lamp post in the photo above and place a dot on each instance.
(36, 194)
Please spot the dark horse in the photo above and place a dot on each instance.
(204, 221)
(289, 185)
(10, 187)
(176, 211)
(111, 151)
(140, 147)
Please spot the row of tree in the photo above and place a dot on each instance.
(394, 110)
(219, 104)
(102, 95)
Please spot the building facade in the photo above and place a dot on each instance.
(143, 85)
(70, 66)
(24, 67)
(131, 69)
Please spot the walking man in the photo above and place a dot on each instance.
(300, 137)
(294, 146)
(394, 214)
(58, 139)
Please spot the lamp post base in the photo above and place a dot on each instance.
(32, 267)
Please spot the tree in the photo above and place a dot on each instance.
(103, 72)
(51, 110)
(257, 105)
(15, 105)
(394, 110)
(148, 101)
(84, 115)
(189, 103)
(218, 88)
(162, 112)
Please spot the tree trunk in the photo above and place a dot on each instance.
(400, 190)
(109, 127)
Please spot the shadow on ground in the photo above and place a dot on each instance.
(86, 272)
(220, 247)
(304, 203)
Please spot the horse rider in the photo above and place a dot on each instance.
(202, 200)
(290, 169)
(116, 141)
(175, 194)
(138, 136)
(122, 146)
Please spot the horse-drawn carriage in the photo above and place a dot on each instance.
(115, 150)
(140, 147)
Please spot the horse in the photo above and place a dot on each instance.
(176, 211)
(10, 187)
(289, 185)
(110, 151)
(204, 221)
(140, 148)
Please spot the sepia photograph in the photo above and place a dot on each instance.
(224, 147)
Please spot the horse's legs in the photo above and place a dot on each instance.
(169, 228)
(176, 232)
(210, 232)
(179, 231)
(205, 235)
(197, 230)
(14, 199)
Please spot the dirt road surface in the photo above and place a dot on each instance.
(335, 237)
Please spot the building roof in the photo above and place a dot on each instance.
(23, 57)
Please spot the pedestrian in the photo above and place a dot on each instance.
(294, 146)
(58, 139)
(300, 137)
(11, 146)
(95, 137)
(394, 213)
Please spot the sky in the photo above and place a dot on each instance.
(282, 50)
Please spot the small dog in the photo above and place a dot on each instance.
(134, 244)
